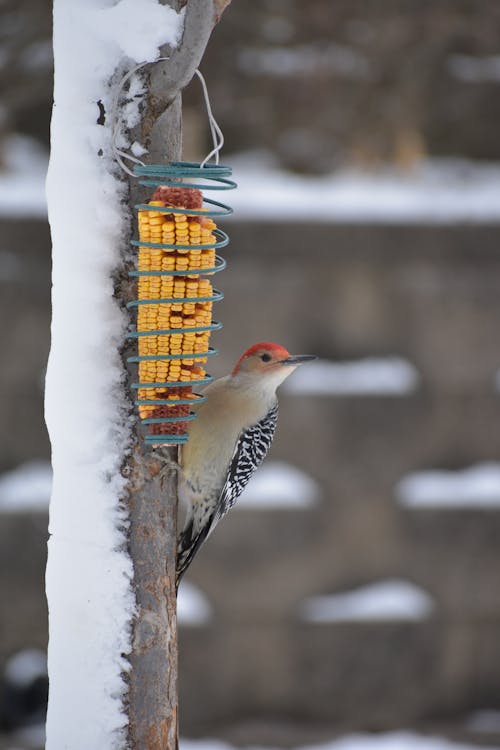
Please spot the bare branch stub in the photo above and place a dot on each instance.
(168, 78)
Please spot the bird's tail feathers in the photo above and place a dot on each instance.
(188, 546)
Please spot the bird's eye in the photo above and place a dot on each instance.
(265, 357)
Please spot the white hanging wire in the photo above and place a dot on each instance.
(214, 127)
(120, 155)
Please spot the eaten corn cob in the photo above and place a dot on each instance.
(180, 231)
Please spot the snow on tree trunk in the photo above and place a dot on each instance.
(111, 565)
(89, 571)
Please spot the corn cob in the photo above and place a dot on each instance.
(179, 230)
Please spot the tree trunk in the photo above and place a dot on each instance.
(152, 501)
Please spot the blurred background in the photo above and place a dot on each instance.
(353, 597)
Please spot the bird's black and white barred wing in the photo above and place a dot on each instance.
(250, 451)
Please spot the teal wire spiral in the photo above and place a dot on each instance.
(205, 178)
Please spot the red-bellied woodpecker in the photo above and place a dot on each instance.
(228, 440)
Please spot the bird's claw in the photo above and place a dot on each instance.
(168, 465)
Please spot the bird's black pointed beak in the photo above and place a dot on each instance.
(298, 359)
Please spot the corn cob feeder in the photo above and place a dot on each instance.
(177, 245)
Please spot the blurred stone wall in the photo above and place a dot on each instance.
(319, 84)
(24, 339)
(328, 83)
(431, 295)
(26, 67)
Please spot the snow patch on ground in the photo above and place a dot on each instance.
(28, 738)
(437, 191)
(89, 592)
(22, 179)
(38, 55)
(279, 485)
(382, 601)
(497, 380)
(477, 487)
(34, 737)
(193, 607)
(11, 267)
(475, 68)
(390, 376)
(485, 721)
(305, 60)
(23, 668)
(26, 488)
(404, 740)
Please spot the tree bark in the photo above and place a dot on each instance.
(152, 500)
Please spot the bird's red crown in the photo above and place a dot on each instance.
(275, 350)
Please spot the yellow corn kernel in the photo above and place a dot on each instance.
(177, 231)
